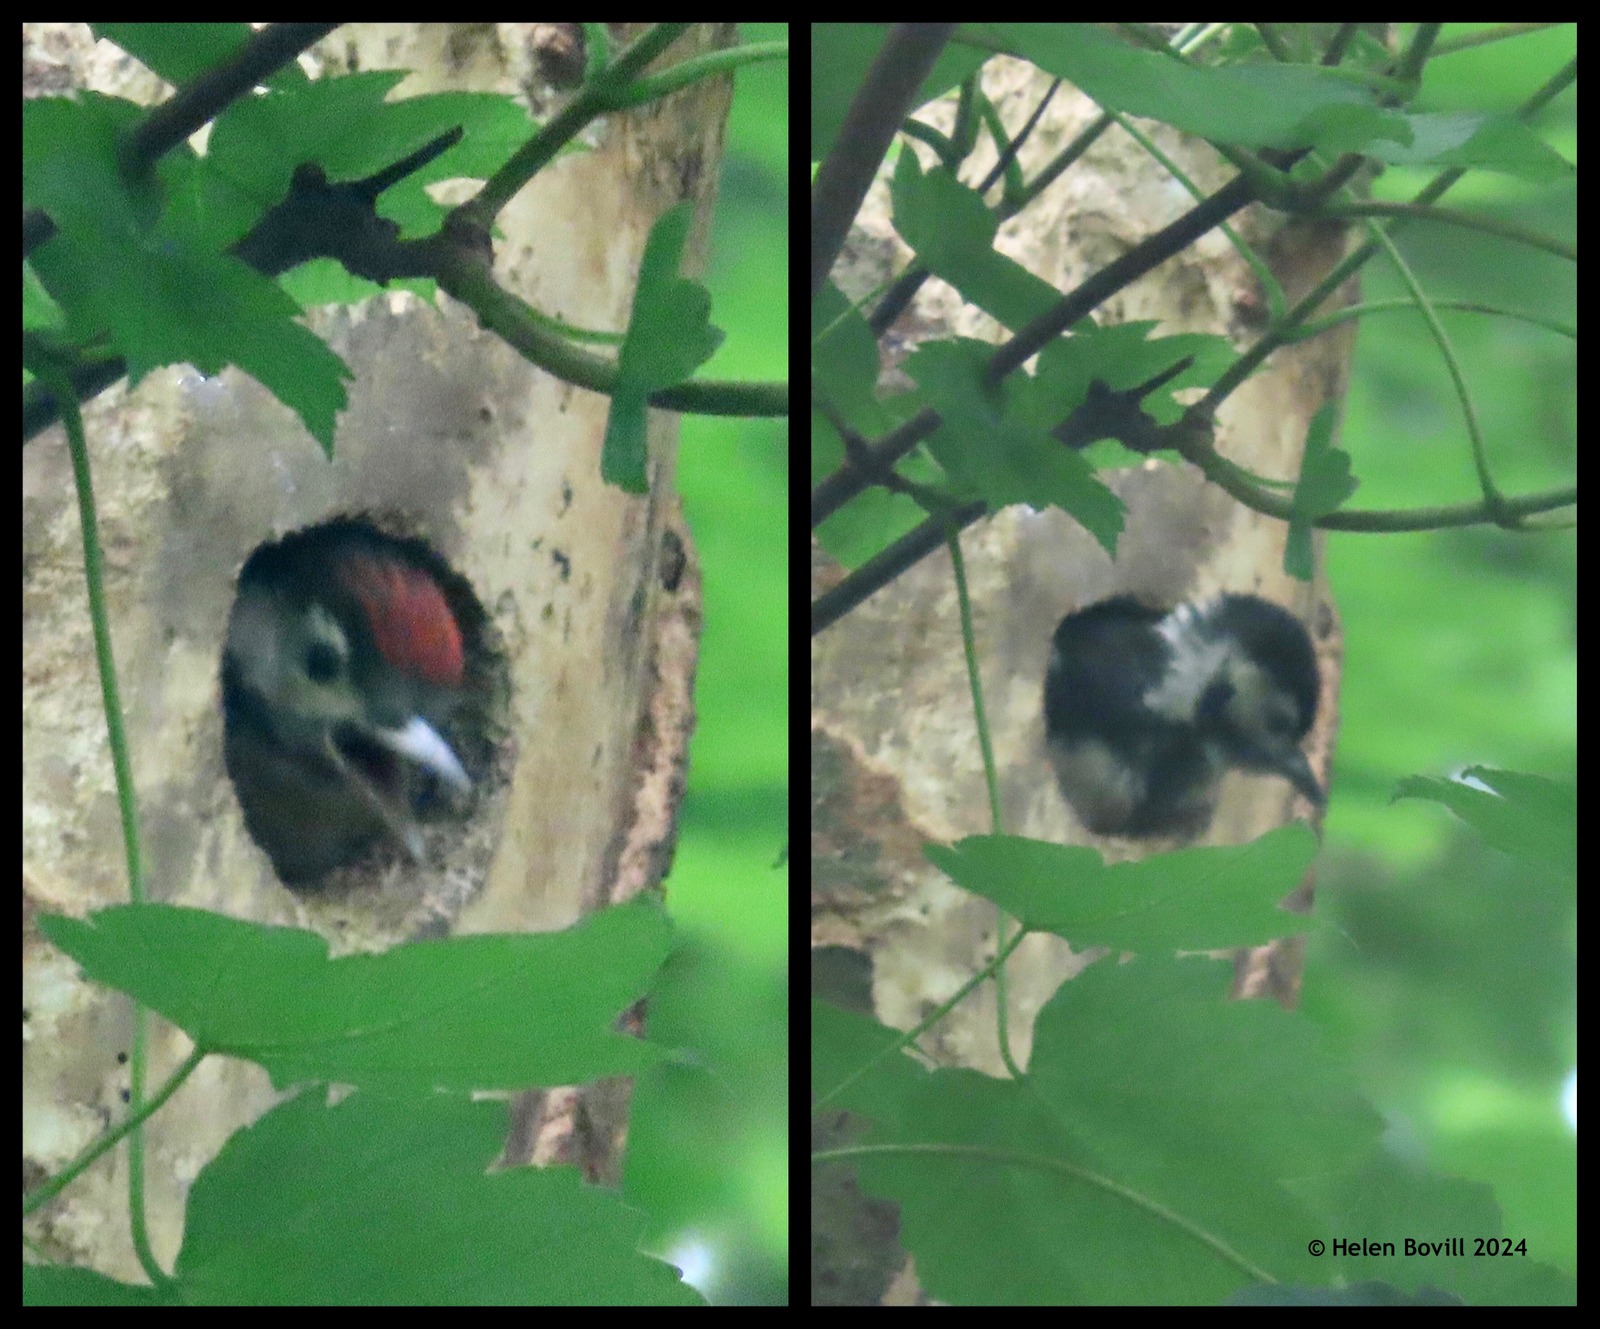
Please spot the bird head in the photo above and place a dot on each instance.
(342, 665)
(1146, 709)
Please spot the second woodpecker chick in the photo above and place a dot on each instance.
(1145, 710)
(342, 665)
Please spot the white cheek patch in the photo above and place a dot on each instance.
(1195, 661)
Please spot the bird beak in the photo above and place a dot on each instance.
(1297, 771)
(418, 741)
(415, 741)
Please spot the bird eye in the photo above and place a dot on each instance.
(323, 662)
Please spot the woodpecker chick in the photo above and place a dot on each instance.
(1145, 710)
(342, 664)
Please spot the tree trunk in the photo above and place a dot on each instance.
(591, 598)
(896, 760)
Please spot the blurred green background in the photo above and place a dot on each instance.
(720, 1177)
(1445, 968)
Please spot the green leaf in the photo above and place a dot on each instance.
(669, 336)
(480, 1012)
